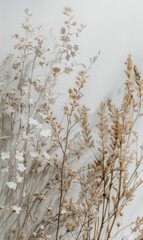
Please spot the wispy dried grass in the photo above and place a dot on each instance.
(47, 190)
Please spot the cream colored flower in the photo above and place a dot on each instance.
(5, 155)
(19, 178)
(16, 209)
(19, 156)
(12, 185)
(33, 122)
(45, 133)
(21, 167)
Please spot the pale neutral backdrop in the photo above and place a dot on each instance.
(114, 27)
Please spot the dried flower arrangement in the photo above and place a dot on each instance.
(47, 190)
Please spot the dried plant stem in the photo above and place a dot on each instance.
(61, 181)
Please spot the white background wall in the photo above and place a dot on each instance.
(114, 27)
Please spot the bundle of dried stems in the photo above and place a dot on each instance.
(42, 166)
